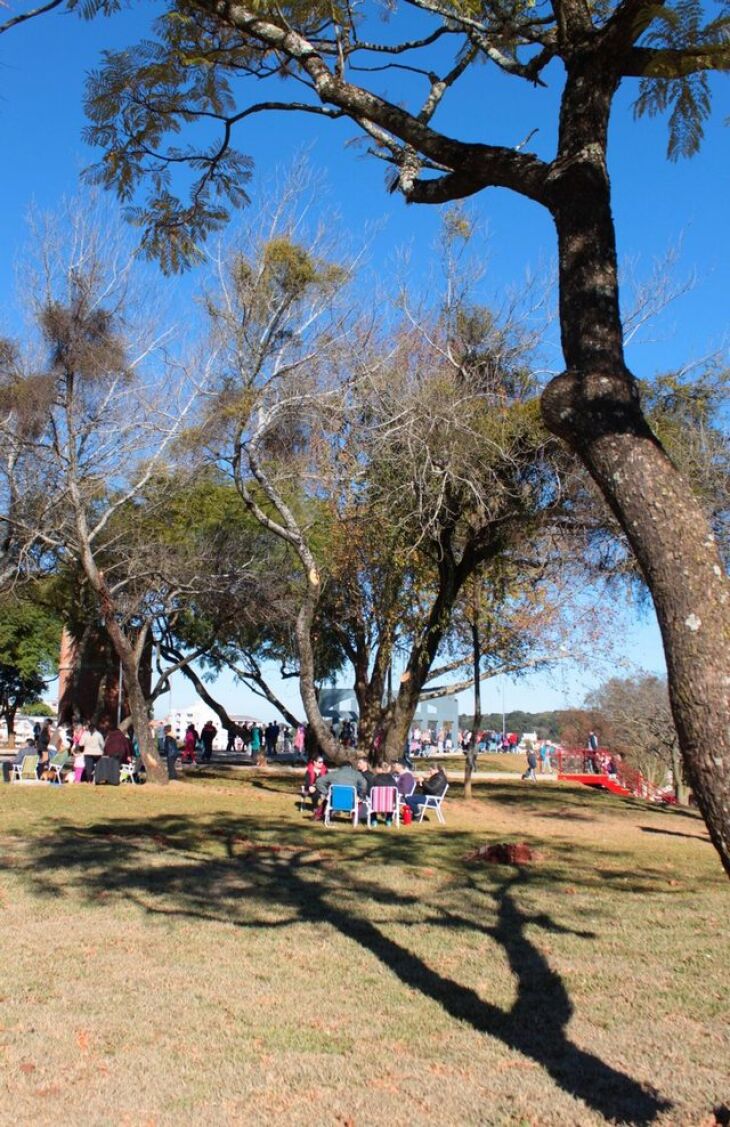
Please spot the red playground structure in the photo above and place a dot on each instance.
(602, 770)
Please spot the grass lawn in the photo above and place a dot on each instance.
(497, 762)
(203, 953)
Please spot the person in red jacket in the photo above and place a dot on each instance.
(314, 770)
(191, 739)
(118, 746)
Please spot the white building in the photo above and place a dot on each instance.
(199, 714)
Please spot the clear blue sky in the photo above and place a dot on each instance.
(657, 205)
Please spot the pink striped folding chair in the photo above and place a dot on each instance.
(386, 801)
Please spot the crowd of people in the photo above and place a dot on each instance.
(85, 744)
(412, 790)
(426, 741)
(252, 738)
(79, 747)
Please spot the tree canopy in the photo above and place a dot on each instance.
(30, 636)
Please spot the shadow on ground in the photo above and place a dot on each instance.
(675, 833)
(218, 869)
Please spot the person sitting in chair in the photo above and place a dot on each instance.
(434, 785)
(405, 779)
(345, 775)
(17, 761)
(384, 777)
(117, 745)
(314, 770)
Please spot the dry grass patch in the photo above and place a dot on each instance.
(204, 954)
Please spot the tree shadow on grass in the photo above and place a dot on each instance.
(167, 869)
(674, 833)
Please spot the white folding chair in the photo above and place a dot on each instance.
(433, 802)
(128, 773)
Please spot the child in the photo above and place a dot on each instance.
(531, 764)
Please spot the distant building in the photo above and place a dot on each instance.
(441, 712)
(198, 714)
(341, 704)
(23, 728)
(338, 704)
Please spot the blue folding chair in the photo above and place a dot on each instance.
(341, 800)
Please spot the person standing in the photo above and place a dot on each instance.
(91, 744)
(44, 737)
(191, 739)
(169, 751)
(593, 759)
(207, 736)
(529, 774)
(272, 739)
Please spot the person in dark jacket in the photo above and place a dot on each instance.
(170, 751)
(435, 785)
(368, 775)
(384, 777)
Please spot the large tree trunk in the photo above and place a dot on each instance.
(451, 580)
(130, 657)
(370, 686)
(156, 772)
(305, 619)
(595, 407)
(10, 721)
(675, 548)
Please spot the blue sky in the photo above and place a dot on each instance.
(657, 206)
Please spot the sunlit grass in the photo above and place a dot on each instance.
(205, 953)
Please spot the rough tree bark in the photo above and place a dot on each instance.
(130, 655)
(594, 406)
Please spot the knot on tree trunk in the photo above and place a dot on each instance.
(582, 406)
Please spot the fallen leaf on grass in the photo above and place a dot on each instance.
(53, 1090)
(82, 1039)
(27, 1067)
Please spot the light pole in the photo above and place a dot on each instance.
(504, 730)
